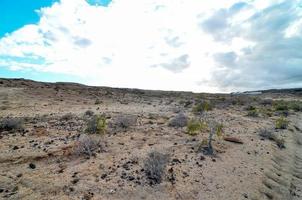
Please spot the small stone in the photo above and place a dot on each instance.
(131, 178)
(74, 181)
(32, 166)
(15, 147)
(103, 176)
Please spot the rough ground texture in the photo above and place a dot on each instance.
(40, 162)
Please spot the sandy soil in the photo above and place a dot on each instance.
(39, 162)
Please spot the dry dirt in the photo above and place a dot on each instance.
(40, 162)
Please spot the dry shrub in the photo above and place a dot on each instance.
(179, 120)
(154, 166)
(87, 145)
(11, 124)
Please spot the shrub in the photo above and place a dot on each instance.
(215, 129)
(86, 145)
(252, 113)
(250, 108)
(281, 106)
(154, 167)
(67, 117)
(195, 126)
(266, 102)
(97, 124)
(269, 135)
(266, 134)
(280, 142)
(125, 121)
(296, 106)
(89, 113)
(201, 107)
(281, 123)
(97, 102)
(11, 124)
(179, 120)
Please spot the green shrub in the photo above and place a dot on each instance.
(281, 123)
(252, 113)
(97, 125)
(201, 107)
(281, 105)
(195, 126)
(296, 106)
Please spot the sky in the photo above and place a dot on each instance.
(182, 45)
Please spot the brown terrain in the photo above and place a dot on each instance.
(71, 141)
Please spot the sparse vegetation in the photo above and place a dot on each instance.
(201, 107)
(125, 121)
(97, 102)
(86, 145)
(269, 135)
(281, 105)
(11, 124)
(89, 113)
(215, 129)
(296, 106)
(179, 120)
(67, 117)
(97, 125)
(195, 126)
(154, 167)
(253, 113)
(266, 134)
(281, 123)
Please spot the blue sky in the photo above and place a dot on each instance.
(202, 46)
(16, 15)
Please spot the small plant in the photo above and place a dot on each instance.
(201, 107)
(250, 108)
(11, 124)
(215, 129)
(266, 134)
(86, 145)
(154, 167)
(280, 142)
(269, 135)
(125, 121)
(195, 126)
(97, 102)
(252, 113)
(179, 120)
(281, 123)
(97, 124)
(67, 117)
(89, 113)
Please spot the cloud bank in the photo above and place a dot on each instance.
(211, 45)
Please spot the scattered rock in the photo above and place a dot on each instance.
(233, 139)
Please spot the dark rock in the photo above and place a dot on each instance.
(103, 176)
(76, 180)
(32, 166)
(15, 147)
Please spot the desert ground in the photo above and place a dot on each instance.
(71, 141)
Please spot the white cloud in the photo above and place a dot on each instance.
(139, 43)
